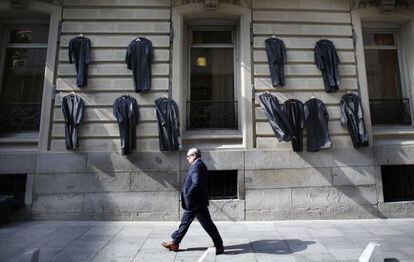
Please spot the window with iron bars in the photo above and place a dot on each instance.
(212, 103)
(222, 184)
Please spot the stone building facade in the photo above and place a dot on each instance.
(273, 181)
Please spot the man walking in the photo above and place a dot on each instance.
(194, 200)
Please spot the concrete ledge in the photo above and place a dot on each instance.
(285, 178)
(334, 157)
(81, 183)
(397, 209)
(61, 163)
(138, 161)
(17, 163)
(217, 160)
(154, 181)
(339, 212)
(333, 196)
(343, 176)
(270, 159)
(394, 155)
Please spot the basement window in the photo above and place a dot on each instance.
(222, 184)
(398, 183)
(14, 185)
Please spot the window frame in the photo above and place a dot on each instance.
(7, 45)
(236, 92)
(390, 29)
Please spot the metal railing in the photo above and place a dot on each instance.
(20, 117)
(390, 111)
(212, 114)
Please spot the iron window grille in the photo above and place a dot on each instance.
(222, 184)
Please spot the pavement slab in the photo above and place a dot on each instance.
(245, 241)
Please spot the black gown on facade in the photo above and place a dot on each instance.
(80, 51)
(138, 59)
(295, 114)
(168, 124)
(73, 109)
(125, 109)
(352, 117)
(276, 57)
(316, 121)
(327, 60)
(277, 117)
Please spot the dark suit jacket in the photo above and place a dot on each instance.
(194, 193)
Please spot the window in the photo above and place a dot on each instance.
(23, 69)
(222, 184)
(398, 183)
(211, 102)
(14, 185)
(389, 103)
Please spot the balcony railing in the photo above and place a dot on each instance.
(212, 114)
(390, 111)
(19, 117)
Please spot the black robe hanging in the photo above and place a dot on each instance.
(139, 58)
(316, 121)
(80, 51)
(352, 117)
(295, 114)
(327, 60)
(168, 124)
(277, 117)
(127, 115)
(276, 57)
(73, 109)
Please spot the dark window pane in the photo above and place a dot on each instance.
(22, 89)
(398, 183)
(28, 36)
(222, 184)
(212, 102)
(383, 73)
(378, 38)
(14, 185)
(384, 39)
(387, 105)
(212, 37)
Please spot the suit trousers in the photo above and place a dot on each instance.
(203, 216)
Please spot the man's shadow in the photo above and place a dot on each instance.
(264, 246)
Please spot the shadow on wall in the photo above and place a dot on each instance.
(151, 189)
(353, 174)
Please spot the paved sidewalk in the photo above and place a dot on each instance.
(327, 240)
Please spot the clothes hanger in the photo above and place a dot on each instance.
(349, 92)
(312, 97)
(138, 38)
(80, 35)
(274, 36)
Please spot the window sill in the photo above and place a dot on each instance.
(381, 131)
(211, 134)
(23, 137)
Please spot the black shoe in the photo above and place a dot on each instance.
(219, 250)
